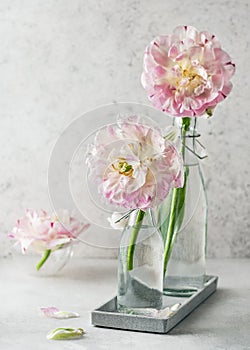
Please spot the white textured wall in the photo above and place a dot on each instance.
(59, 59)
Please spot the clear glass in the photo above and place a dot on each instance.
(185, 271)
(140, 276)
(27, 262)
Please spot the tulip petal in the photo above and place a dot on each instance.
(54, 312)
(154, 313)
(65, 333)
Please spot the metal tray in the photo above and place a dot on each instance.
(108, 316)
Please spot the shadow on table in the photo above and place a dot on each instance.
(208, 317)
(222, 321)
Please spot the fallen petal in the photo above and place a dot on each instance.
(154, 313)
(65, 333)
(49, 311)
(147, 312)
(164, 313)
(54, 312)
(168, 311)
(175, 307)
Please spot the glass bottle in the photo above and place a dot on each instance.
(140, 269)
(184, 264)
(26, 263)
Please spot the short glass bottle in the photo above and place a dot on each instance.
(140, 270)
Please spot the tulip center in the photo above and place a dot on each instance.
(123, 167)
(190, 78)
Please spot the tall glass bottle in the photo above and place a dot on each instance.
(184, 226)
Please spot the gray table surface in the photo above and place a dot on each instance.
(221, 322)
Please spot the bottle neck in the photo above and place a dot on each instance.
(139, 217)
(189, 137)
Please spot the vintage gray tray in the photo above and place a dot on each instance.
(108, 316)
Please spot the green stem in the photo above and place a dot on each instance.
(177, 204)
(45, 256)
(176, 218)
(133, 238)
(170, 231)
